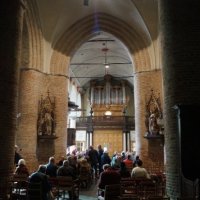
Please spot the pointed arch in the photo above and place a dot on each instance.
(32, 37)
(86, 28)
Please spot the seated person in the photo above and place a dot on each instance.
(108, 177)
(40, 177)
(105, 158)
(139, 171)
(85, 166)
(60, 162)
(51, 167)
(22, 169)
(128, 162)
(85, 172)
(17, 155)
(116, 160)
(67, 170)
(124, 173)
(137, 158)
(73, 163)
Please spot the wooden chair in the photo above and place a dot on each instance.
(147, 187)
(129, 187)
(67, 184)
(19, 186)
(157, 198)
(35, 191)
(129, 198)
(112, 192)
(85, 177)
(54, 185)
(187, 198)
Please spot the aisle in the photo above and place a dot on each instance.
(87, 194)
(90, 193)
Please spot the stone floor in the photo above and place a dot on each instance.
(89, 193)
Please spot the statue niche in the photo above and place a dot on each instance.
(46, 117)
(153, 116)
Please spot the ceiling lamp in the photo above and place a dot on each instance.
(107, 66)
(85, 2)
(108, 113)
(105, 50)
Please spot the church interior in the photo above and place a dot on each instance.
(123, 74)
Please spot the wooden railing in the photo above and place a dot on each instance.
(104, 122)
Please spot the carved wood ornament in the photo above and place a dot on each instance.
(46, 116)
(153, 115)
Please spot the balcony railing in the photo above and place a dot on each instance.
(106, 122)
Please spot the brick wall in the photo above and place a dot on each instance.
(33, 84)
(149, 151)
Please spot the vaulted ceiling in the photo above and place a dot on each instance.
(88, 60)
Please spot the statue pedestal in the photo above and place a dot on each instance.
(47, 137)
(150, 136)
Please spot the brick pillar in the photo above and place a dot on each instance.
(144, 82)
(11, 20)
(33, 84)
(180, 43)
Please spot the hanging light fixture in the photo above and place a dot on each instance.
(85, 2)
(106, 64)
(108, 113)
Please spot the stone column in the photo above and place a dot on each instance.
(180, 43)
(144, 82)
(87, 139)
(91, 138)
(124, 141)
(33, 85)
(11, 23)
(128, 141)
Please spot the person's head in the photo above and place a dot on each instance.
(99, 147)
(91, 148)
(122, 166)
(42, 168)
(17, 149)
(84, 162)
(123, 154)
(52, 160)
(21, 162)
(105, 152)
(106, 166)
(139, 163)
(62, 158)
(65, 163)
(137, 157)
(129, 157)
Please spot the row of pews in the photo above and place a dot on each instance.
(136, 189)
(22, 189)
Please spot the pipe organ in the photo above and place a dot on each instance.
(107, 92)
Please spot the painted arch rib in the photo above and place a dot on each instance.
(72, 39)
(35, 37)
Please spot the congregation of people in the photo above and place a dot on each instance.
(97, 164)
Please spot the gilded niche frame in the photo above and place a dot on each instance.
(46, 123)
(153, 116)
